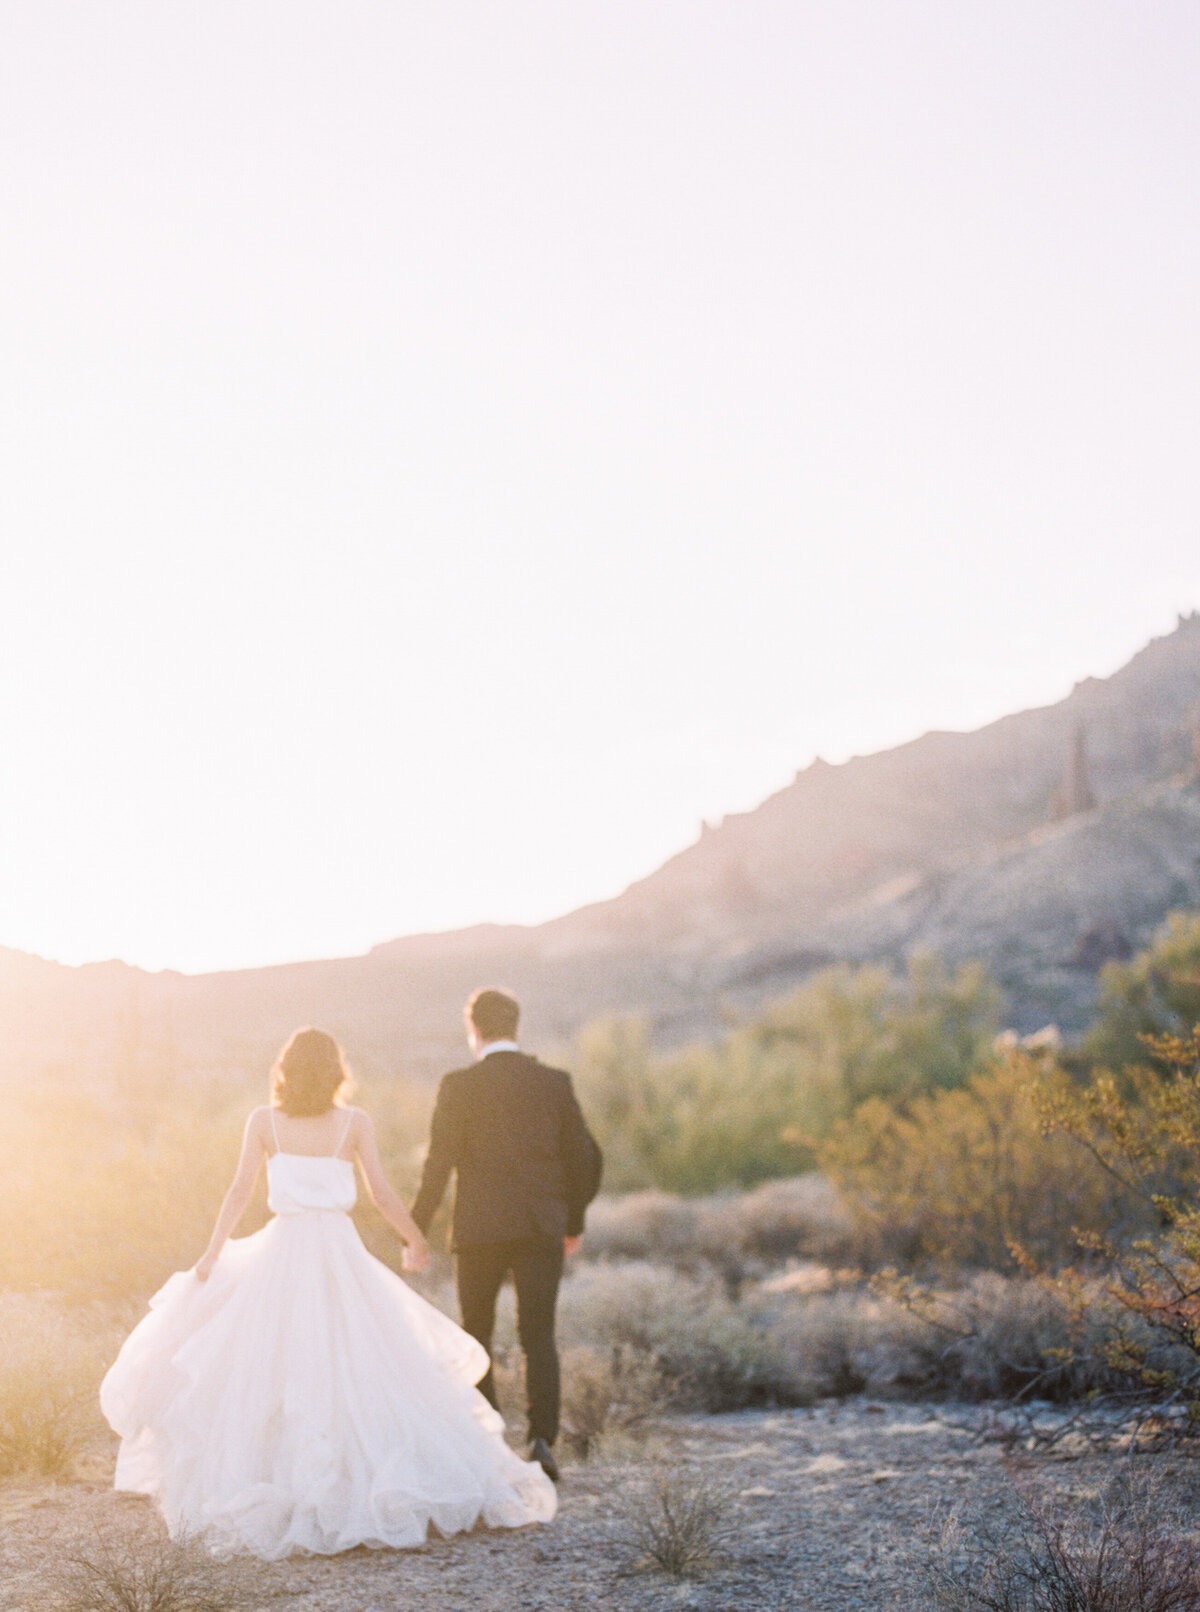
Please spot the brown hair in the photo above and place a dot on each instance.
(494, 1014)
(308, 1074)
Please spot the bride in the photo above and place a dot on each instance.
(291, 1393)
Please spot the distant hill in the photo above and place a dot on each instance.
(1043, 843)
(838, 836)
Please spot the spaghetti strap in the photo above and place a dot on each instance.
(274, 1131)
(337, 1152)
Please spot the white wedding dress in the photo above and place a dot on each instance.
(304, 1398)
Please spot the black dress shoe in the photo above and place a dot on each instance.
(541, 1452)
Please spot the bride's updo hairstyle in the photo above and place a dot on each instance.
(308, 1074)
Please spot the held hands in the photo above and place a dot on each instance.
(571, 1245)
(416, 1255)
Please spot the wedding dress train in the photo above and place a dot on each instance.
(304, 1398)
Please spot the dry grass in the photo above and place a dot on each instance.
(1134, 1550)
(50, 1370)
(685, 1525)
(118, 1570)
(609, 1392)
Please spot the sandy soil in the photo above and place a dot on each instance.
(828, 1511)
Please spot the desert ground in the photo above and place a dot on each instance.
(833, 1508)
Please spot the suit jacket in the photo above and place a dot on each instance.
(527, 1164)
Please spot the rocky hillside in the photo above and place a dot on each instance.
(867, 831)
(1043, 843)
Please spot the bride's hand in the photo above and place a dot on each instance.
(415, 1256)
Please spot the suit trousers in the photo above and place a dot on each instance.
(536, 1265)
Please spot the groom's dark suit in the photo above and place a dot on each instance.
(527, 1169)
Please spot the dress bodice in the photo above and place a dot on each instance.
(297, 1182)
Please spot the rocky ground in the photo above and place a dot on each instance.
(827, 1510)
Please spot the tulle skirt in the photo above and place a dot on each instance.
(304, 1398)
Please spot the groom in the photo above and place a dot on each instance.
(527, 1169)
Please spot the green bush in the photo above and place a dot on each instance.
(749, 1108)
(1155, 993)
(1144, 1131)
(965, 1177)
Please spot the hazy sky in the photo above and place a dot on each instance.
(449, 449)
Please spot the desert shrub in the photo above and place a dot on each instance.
(611, 1395)
(651, 1225)
(1014, 1337)
(685, 1525)
(607, 1391)
(614, 1074)
(799, 1218)
(693, 1121)
(50, 1370)
(1133, 1551)
(749, 1107)
(992, 1337)
(1123, 1328)
(682, 1340)
(833, 1345)
(961, 1178)
(1144, 1132)
(124, 1570)
(769, 1346)
(710, 1351)
(738, 1234)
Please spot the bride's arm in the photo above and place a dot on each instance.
(389, 1203)
(241, 1189)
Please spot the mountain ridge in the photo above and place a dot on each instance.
(1013, 842)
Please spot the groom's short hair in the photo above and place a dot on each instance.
(494, 1014)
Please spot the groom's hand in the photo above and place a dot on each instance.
(571, 1245)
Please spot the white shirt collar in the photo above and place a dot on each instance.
(496, 1046)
